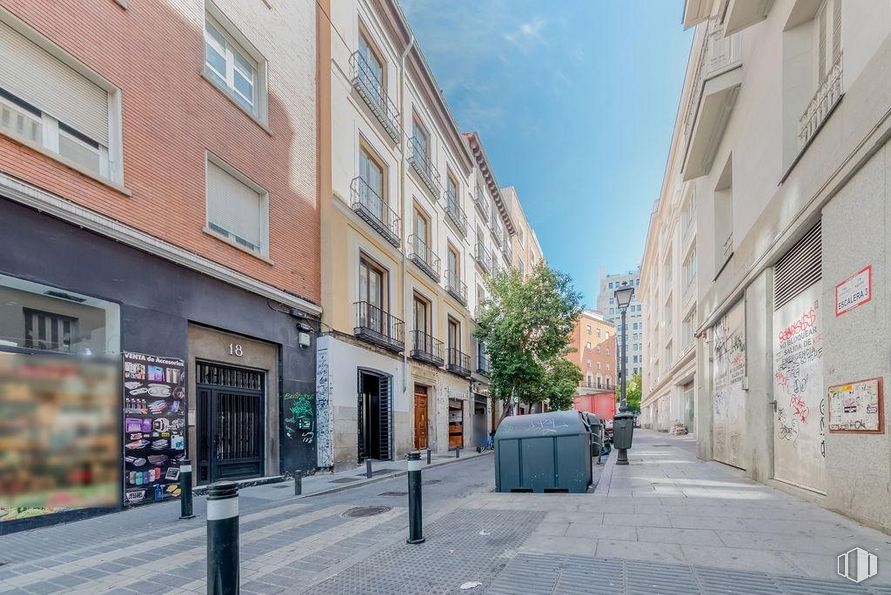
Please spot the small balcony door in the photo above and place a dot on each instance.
(372, 174)
(453, 272)
(372, 68)
(422, 236)
(454, 334)
(371, 291)
(422, 313)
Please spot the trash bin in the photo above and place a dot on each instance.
(596, 426)
(543, 452)
(623, 429)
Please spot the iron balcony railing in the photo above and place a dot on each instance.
(420, 162)
(427, 348)
(821, 105)
(456, 213)
(458, 362)
(423, 257)
(373, 92)
(482, 205)
(456, 287)
(483, 257)
(379, 327)
(368, 204)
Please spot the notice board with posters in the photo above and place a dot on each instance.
(856, 407)
(154, 427)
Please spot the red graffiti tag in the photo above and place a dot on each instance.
(807, 320)
(799, 408)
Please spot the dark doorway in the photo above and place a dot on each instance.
(374, 417)
(231, 422)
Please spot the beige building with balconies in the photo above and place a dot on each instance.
(525, 251)
(777, 186)
(412, 223)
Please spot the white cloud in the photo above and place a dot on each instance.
(528, 33)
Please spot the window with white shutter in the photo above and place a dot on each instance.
(49, 103)
(237, 209)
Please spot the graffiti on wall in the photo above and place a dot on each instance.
(800, 418)
(300, 420)
(728, 396)
(323, 411)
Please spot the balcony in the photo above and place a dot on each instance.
(717, 79)
(420, 162)
(483, 257)
(426, 348)
(375, 211)
(423, 256)
(379, 327)
(821, 105)
(374, 94)
(481, 203)
(458, 363)
(455, 213)
(456, 287)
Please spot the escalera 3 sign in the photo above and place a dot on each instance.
(854, 291)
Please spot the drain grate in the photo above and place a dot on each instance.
(393, 494)
(359, 512)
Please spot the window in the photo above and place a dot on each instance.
(46, 102)
(688, 327)
(690, 267)
(454, 334)
(588, 329)
(598, 365)
(589, 363)
(371, 284)
(452, 189)
(422, 141)
(597, 349)
(371, 172)
(607, 351)
(610, 284)
(49, 331)
(421, 314)
(724, 217)
(607, 367)
(233, 64)
(422, 227)
(454, 267)
(590, 381)
(237, 208)
(598, 334)
(371, 71)
(828, 38)
(522, 269)
(588, 345)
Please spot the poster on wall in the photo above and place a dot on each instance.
(856, 407)
(298, 432)
(729, 395)
(800, 414)
(854, 291)
(154, 427)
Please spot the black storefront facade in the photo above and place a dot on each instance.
(236, 366)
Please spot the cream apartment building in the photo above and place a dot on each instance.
(525, 250)
(411, 224)
(781, 145)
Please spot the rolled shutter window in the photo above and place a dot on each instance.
(234, 206)
(34, 75)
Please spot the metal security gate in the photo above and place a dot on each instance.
(374, 431)
(231, 422)
(800, 406)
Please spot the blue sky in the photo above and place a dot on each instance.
(575, 102)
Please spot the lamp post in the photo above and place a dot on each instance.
(623, 424)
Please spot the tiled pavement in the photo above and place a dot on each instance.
(667, 523)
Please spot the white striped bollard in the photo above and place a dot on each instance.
(222, 539)
(185, 488)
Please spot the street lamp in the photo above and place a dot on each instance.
(623, 424)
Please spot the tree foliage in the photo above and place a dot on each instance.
(525, 325)
(633, 393)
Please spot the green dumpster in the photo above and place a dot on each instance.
(543, 452)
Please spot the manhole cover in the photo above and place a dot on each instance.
(364, 511)
(345, 480)
(432, 481)
(393, 494)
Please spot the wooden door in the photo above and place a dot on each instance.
(421, 417)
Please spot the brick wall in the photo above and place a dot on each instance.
(154, 53)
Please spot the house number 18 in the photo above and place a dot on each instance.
(236, 349)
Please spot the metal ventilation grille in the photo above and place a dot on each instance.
(799, 268)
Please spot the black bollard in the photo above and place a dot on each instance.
(222, 539)
(368, 473)
(298, 483)
(185, 487)
(458, 452)
(429, 456)
(415, 517)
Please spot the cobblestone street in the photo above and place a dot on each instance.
(667, 523)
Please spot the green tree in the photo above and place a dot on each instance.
(525, 325)
(633, 393)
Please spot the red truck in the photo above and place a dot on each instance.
(601, 404)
